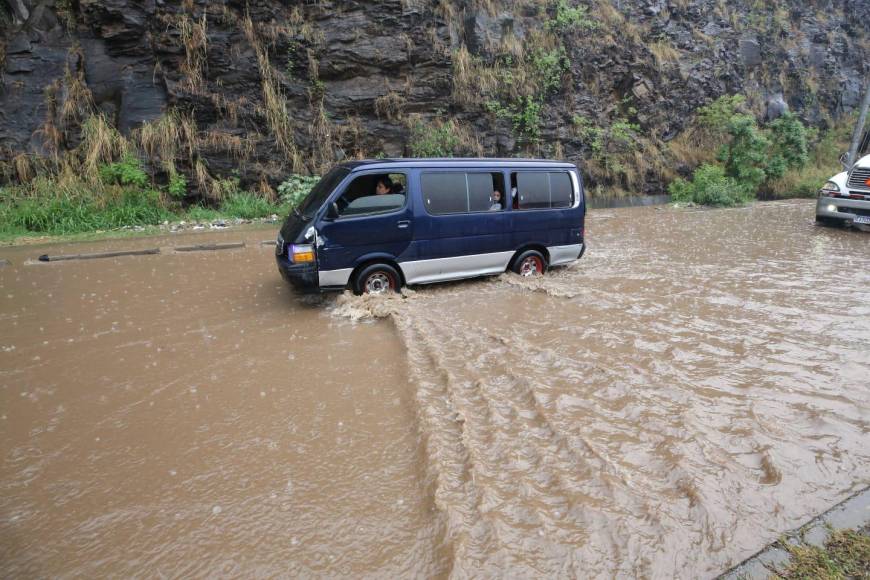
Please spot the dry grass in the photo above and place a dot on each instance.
(266, 190)
(229, 109)
(101, 143)
(390, 105)
(348, 137)
(617, 28)
(473, 80)
(24, 167)
(78, 102)
(664, 54)
(166, 138)
(275, 105)
(201, 176)
(194, 37)
(238, 148)
(692, 147)
(52, 136)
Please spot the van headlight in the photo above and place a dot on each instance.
(301, 253)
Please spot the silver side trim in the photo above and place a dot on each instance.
(564, 254)
(334, 277)
(454, 268)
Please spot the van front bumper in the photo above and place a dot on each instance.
(844, 210)
(303, 277)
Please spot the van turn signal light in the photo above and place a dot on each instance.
(302, 253)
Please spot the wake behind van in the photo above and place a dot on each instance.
(374, 226)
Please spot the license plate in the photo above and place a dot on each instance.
(861, 219)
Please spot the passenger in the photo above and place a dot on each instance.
(496, 201)
(397, 188)
(383, 185)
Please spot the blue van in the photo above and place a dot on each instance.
(373, 226)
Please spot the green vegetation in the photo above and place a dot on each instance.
(47, 207)
(247, 205)
(823, 161)
(753, 159)
(846, 555)
(550, 65)
(709, 186)
(294, 189)
(122, 197)
(177, 186)
(128, 171)
(615, 149)
(567, 18)
(433, 140)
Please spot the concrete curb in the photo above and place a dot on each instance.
(95, 256)
(210, 247)
(853, 512)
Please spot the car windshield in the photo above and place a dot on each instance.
(321, 191)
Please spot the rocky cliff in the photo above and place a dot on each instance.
(263, 88)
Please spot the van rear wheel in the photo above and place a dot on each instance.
(530, 263)
(376, 279)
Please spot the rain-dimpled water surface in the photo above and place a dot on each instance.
(697, 384)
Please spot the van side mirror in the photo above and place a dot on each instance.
(332, 211)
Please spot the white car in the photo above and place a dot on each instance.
(844, 200)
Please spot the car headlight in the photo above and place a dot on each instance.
(831, 207)
(829, 189)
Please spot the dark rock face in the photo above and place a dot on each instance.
(356, 78)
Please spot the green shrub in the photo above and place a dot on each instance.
(717, 116)
(549, 67)
(789, 138)
(589, 132)
(248, 206)
(177, 187)
(567, 18)
(198, 213)
(527, 119)
(746, 153)
(433, 140)
(709, 186)
(295, 188)
(128, 171)
(67, 214)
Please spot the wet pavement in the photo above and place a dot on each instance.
(697, 384)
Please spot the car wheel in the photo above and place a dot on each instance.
(530, 263)
(376, 279)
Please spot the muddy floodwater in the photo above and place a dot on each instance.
(697, 384)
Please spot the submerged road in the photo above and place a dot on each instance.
(697, 384)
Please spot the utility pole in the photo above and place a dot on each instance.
(859, 128)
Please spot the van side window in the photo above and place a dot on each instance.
(452, 192)
(561, 190)
(444, 193)
(542, 190)
(373, 194)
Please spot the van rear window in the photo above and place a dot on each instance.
(542, 190)
(455, 192)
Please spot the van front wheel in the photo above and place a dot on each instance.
(376, 279)
(530, 263)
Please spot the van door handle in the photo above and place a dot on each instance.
(403, 224)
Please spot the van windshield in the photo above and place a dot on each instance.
(321, 191)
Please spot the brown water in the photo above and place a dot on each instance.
(696, 384)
